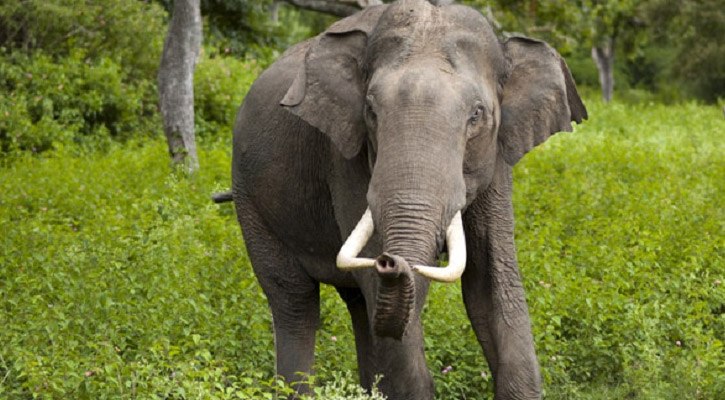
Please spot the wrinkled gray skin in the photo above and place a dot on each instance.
(416, 111)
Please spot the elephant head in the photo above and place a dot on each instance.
(433, 99)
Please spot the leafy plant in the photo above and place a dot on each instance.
(74, 98)
(120, 279)
(220, 84)
(128, 32)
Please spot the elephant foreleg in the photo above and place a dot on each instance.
(364, 347)
(494, 296)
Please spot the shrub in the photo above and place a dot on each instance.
(130, 33)
(77, 71)
(620, 237)
(120, 279)
(73, 98)
(78, 99)
(220, 84)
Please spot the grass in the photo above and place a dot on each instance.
(120, 279)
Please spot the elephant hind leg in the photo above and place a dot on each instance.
(293, 298)
(295, 316)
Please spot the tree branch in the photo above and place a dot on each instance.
(328, 7)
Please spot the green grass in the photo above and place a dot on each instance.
(625, 220)
(120, 279)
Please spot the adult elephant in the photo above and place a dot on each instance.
(397, 128)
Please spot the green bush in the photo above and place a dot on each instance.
(621, 239)
(131, 33)
(72, 98)
(77, 71)
(120, 279)
(583, 69)
(220, 84)
(79, 99)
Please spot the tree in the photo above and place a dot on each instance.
(693, 31)
(181, 52)
(609, 21)
(176, 81)
(569, 24)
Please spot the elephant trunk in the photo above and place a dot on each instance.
(411, 228)
(410, 237)
(396, 296)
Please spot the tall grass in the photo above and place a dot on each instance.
(120, 279)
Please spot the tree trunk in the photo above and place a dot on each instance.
(176, 81)
(274, 10)
(603, 56)
(533, 6)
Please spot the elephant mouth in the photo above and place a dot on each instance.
(347, 258)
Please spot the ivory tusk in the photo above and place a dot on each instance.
(347, 258)
(456, 255)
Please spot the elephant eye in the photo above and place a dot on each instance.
(477, 114)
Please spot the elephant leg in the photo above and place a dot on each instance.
(355, 301)
(296, 315)
(293, 298)
(494, 295)
(479, 305)
(400, 363)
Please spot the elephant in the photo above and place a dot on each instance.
(363, 154)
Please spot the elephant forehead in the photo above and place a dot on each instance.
(419, 18)
(411, 30)
(404, 34)
(418, 83)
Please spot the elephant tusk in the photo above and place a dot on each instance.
(456, 255)
(347, 258)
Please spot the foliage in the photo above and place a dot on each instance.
(220, 84)
(634, 255)
(343, 386)
(669, 47)
(302, 24)
(77, 71)
(73, 98)
(258, 29)
(120, 279)
(238, 27)
(569, 25)
(88, 100)
(128, 32)
(697, 30)
(88, 74)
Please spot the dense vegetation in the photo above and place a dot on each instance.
(120, 279)
(84, 72)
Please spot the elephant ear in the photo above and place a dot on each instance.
(539, 97)
(329, 89)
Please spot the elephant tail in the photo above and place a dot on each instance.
(222, 197)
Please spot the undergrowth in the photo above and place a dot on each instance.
(120, 279)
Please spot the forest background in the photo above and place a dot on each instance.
(120, 279)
